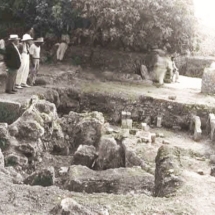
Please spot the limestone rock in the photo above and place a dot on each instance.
(9, 111)
(212, 159)
(118, 181)
(69, 206)
(85, 155)
(83, 129)
(1, 159)
(131, 157)
(4, 136)
(195, 125)
(39, 122)
(208, 81)
(167, 182)
(53, 97)
(213, 171)
(110, 154)
(45, 177)
(15, 159)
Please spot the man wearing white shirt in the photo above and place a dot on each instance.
(35, 59)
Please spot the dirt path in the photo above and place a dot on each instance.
(187, 91)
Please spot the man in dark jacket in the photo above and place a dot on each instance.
(12, 59)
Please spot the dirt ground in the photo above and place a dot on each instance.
(195, 198)
(188, 90)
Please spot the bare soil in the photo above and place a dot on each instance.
(195, 198)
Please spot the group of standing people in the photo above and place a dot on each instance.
(20, 59)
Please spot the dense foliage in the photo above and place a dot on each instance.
(129, 24)
(46, 16)
(140, 24)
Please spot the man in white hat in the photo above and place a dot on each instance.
(35, 59)
(22, 75)
(12, 60)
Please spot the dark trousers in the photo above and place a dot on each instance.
(11, 78)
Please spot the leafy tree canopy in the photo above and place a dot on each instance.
(140, 24)
(130, 24)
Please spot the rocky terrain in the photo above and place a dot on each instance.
(77, 146)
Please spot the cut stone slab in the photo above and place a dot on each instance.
(195, 125)
(117, 181)
(9, 111)
(159, 121)
(127, 123)
(211, 126)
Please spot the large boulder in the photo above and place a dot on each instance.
(168, 171)
(69, 206)
(9, 111)
(83, 129)
(44, 177)
(110, 154)
(85, 155)
(118, 181)
(39, 122)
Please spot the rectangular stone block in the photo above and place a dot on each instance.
(159, 121)
(127, 123)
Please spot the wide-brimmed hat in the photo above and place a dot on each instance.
(26, 37)
(14, 37)
(39, 40)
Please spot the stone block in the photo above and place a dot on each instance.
(208, 81)
(127, 123)
(144, 126)
(195, 125)
(212, 125)
(9, 111)
(213, 171)
(153, 137)
(159, 121)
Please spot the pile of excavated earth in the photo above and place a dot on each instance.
(88, 144)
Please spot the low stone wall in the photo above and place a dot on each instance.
(193, 66)
(129, 62)
(113, 60)
(144, 109)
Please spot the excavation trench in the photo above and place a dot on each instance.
(73, 139)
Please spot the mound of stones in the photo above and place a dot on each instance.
(103, 159)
